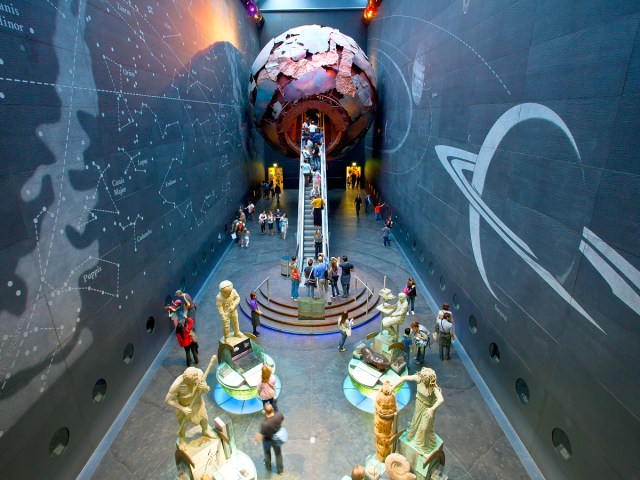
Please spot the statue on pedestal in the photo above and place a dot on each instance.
(428, 399)
(185, 395)
(395, 319)
(227, 302)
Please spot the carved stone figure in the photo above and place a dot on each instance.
(386, 409)
(398, 467)
(375, 359)
(395, 319)
(227, 302)
(185, 395)
(428, 399)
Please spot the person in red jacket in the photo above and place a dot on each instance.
(185, 340)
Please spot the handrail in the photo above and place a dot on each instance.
(323, 193)
(301, 199)
(366, 312)
(268, 289)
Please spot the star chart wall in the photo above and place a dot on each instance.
(506, 143)
(124, 146)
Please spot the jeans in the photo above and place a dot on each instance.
(191, 350)
(273, 403)
(445, 346)
(366, 208)
(343, 340)
(345, 285)
(267, 445)
(376, 216)
(311, 291)
(420, 353)
(412, 301)
(318, 248)
(335, 291)
(386, 242)
(294, 288)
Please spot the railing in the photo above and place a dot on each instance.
(301, 199)
(369, 295)
(268, 289)
(323, 193)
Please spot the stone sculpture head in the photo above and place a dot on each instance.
(428, 378)
(402, 298)
(226, 287)
(191, 375)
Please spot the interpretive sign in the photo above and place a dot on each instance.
(310, 309)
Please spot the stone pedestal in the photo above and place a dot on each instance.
(381, 344)
(423, 464)
(375, 468)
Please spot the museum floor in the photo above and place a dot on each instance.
(328, 436)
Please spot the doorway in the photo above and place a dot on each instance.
(275, 176)
(354, 175)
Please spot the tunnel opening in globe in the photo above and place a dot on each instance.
(313, 72)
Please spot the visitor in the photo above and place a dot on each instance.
(186, 341)
(270, 425)
(334, 275)
(421, 340)
(444, 330)
(188, 306)
(295, 278)
(317, 243)
(309, 279)
(255, 312)
(377, 211)
(246, 238)
(276, 218)
(262, 220)
(386, 231)
(306, 171)
(251, 209)
(358, 202)
(407, 341)
(345, 279)
(318, 205)
(267, 388)
(321, 272)
(270, 220)
(367, 203)
(345, 324)
(241, 216)
(284, 225)
(410, 290)
(277, 190)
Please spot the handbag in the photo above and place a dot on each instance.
(280, 437)
(233, 236)
(406, 290)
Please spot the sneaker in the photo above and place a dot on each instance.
(341, 350)
(412, 312)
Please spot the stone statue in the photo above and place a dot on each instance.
(428, 399)
(227, 302)
(398, 467)
(395, 319)
(386, 408)
(185, 395)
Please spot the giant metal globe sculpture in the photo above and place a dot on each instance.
(312, 68)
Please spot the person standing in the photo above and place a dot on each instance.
(420, 340)
(309, 279)
(334, 276)
(262, 220)
(377, 211)
(183, 335)
(317, 243)
(270, 220)
(367, 203)
(321, 272)
(318, 205)
(295, 278)
(267, 388)
(241, 216)
(284, 225)
(444, 327)
(345, 324)
(188, 307)
(270, 425)
(353, 178)
(386, 231)
(306, 171)
(345, 279)
(276, 218)
(277, 191)
(358, 203)
(255, 312)
(251, 209)
(411, 291)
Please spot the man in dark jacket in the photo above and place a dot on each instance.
(270, 425)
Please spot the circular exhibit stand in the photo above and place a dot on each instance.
(363, 383)
(237, 405)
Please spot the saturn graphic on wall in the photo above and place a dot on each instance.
(457, 161)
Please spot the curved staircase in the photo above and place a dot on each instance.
(282, 313)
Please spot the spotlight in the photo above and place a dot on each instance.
(371, 10)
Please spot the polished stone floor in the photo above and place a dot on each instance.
(328, 436)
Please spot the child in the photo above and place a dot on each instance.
(408, 341)
(246, 238)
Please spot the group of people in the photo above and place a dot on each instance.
(277, 218)
(417, 338)
(182, 312)
(353, 178)
(324, 274)
(269, 190)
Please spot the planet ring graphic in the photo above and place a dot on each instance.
(456, 161)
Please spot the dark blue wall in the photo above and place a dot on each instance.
(125, 146)
(506, 144)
